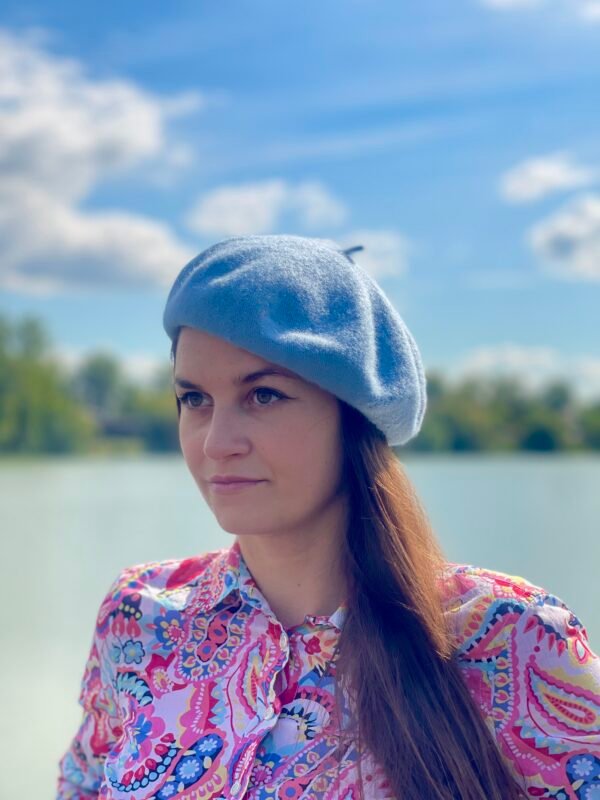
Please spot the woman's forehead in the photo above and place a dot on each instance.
(193, 343)
(199, 351)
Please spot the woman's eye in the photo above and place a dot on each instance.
(193, 399)
(263, 389)
(186, 399)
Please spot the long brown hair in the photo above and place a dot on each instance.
(413, 710)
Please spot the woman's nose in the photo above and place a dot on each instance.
(225, 434)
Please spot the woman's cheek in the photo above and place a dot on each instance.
(191, 443)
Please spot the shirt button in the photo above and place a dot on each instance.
(283, 640)
(269, 712)
(236, 787)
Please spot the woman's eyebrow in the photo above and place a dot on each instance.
(242, 379)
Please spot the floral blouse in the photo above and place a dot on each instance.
(193, 689)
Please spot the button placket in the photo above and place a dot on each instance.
(272, 703)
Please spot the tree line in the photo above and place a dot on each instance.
(96, 407)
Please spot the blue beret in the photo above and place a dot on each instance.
(305, 304)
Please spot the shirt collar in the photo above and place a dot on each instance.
(228, 574)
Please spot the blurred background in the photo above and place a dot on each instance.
(459, 143)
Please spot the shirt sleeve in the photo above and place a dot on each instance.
(545, 700)
(81, 769)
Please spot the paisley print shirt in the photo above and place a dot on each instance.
(193, 689)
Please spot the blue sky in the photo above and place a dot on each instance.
(458, 142)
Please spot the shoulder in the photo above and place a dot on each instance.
(489, 612)
(474, 596)
(169, 583)
(527, 661)
(146, 609)
(485, 608)
(461, 583)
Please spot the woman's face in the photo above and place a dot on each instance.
(279, 429)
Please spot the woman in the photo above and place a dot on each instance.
(330, 652)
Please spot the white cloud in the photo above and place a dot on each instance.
(568, 242)
(260, 207)
(542, 176)
(534, 367)
(238, 209)
(315, 207)
(588, 10)
(49, 246)
(61, 133)
(386, 252)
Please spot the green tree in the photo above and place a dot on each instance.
(37, 415)
(99, 383)
(590, 426)
(557, 396)
(542, 430)
(31, 340)
(436, 387)
(162, 380)
(6, 333)
(152, 414)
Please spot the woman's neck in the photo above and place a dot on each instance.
(298, 574)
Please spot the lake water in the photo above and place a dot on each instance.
(69, 525)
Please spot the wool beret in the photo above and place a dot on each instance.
(305, 304)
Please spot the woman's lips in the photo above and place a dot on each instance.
(232, 487)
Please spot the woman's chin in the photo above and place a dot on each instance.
(238, 523)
